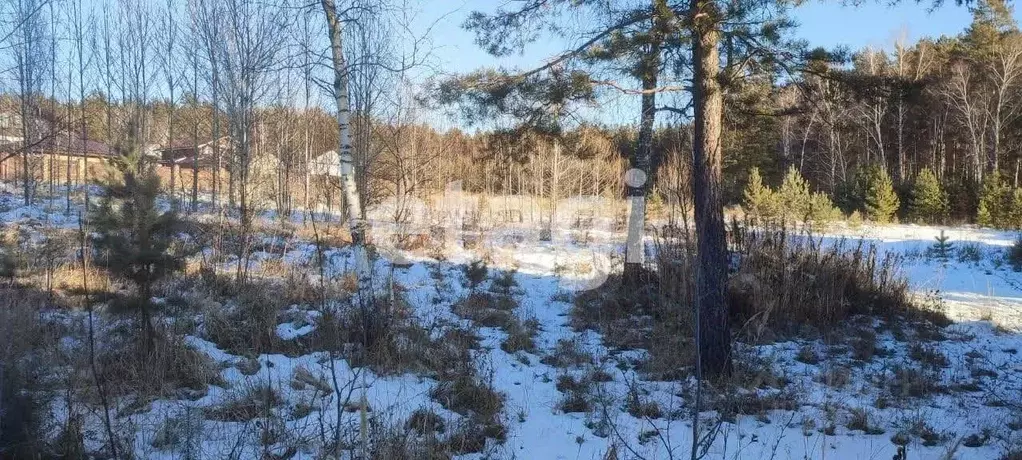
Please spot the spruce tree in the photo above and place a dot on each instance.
(880, 201)
(134, 237)
(929, 202)
(942, 248)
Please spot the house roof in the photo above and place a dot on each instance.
(189, 144)
(64, 142)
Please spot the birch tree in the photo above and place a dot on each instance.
(30, 46)
(352, 203)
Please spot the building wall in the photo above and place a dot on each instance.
(55, 167)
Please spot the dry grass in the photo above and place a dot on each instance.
(470, 396)
(1014, 255)
(462, 390)
(255, 307)
(332, 235)
(173, 369)
(651, 316)
(861, 419)
(521, 336)
(787, 281)
(254, 402)
(487, 309)
(383, 336)
(567, 353)
(577, 393)
(425, 421)
(68, 279)
(25, 364)
(914, 382)
(249, 327)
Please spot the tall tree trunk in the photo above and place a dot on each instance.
(195, 136)
(638, 175)
(714, 332)
(351, 201)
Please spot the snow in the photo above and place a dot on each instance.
(983, 297)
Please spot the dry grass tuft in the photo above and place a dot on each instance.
(470, 396)
(172, 369)
(521, 336)
(567, 353)
(255, 402)
(577, 393)
(425, 421)
(68, 279)
(787, 281)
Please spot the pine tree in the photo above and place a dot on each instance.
(1014, 217)
(880, 201)
(760, 201)
(794, 197)
(994, 201)
(822, 210)
(133, 236)
(929, 203)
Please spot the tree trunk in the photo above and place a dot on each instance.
(714, 332)
(195, 143)
(638, 175)
(351, 201)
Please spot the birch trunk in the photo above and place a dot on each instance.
(351, 199)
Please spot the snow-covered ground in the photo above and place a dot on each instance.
(842, 407)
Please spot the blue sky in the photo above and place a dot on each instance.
(822, 23)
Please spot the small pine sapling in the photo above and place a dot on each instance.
(941, 249)
(134, 237)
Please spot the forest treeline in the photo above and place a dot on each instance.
(948, 108)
